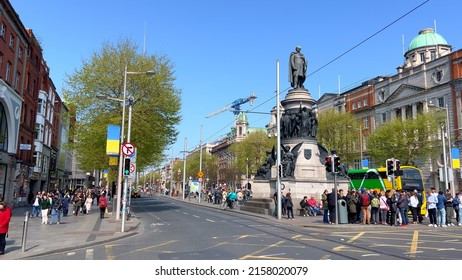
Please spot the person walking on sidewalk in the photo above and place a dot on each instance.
(325, 207)
(78, 202)
(5, 217)
(36, 206)
(56, 210)
(432, 200)
(403, 205)
(65, 205)
(441, 210)
(88, 203)
(102, 205)
(45, 206)
(290, 206)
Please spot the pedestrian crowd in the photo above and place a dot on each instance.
(52, 206)
(391, 207)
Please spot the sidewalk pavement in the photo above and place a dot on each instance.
(72, 232)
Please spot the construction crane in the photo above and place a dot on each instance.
(235, 106)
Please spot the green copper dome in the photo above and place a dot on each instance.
(427, 37)
(242, 118)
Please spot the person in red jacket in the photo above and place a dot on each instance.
(102, 205)
(5, 216)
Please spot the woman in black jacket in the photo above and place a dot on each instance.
(391, 201)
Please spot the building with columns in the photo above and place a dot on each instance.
(430, 77)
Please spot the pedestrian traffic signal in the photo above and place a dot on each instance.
(390, 167)
(336, 164)
(127, 167)
(328, 164)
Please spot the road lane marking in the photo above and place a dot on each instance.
(196, 216)
(356, 237)
(414, 243)
(185, 213)
(89, 254)
(108, 249)
(210, 220)
(299, 237)
(254, 254)
(71, 253)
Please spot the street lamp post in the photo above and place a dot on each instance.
(446, 154)
(184, 167)
(122, 136)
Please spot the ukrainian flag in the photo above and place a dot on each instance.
(113, 140)
(455, 158)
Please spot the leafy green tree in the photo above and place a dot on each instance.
(155, 110)
(340, 132)
(252, 151)
(412, 141)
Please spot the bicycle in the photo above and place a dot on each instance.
(224, 205)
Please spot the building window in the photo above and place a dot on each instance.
(384, 117)
(3, 30)
(354, 105)
(8, 71)
(441, 102)
(40, 106)
(20, 53)
(433, 55)
(16, 81)
(3, 129)
(39, 132)
(366, 103)
(11, 41)
(422, 57)
(359, 104)
(366, 122)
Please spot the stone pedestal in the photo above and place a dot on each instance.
(310, 178)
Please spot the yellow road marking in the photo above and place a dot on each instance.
(109, 254)
(356, 237)
(414, 243)
(261, 250)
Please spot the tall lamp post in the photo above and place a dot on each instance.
(449, 152)
(122, 135)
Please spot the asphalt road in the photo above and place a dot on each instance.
(174, 230)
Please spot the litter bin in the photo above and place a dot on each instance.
(342, 211)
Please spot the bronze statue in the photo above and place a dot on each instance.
(264, 171)
(297, 68)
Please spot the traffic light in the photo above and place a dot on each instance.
(336, 164)
(328, 164)
(127, 167)
(398, 172)
(390, 167)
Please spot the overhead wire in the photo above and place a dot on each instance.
(329, 62)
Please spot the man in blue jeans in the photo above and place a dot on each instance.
(403, 203)
(440, 210)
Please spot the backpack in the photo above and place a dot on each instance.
(103, 203)
(365, 200)
(375, 202)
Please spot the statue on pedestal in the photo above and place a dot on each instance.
(297, 68)
(264, 171)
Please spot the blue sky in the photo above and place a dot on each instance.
(225, 50)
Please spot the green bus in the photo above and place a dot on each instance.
(377, 179)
